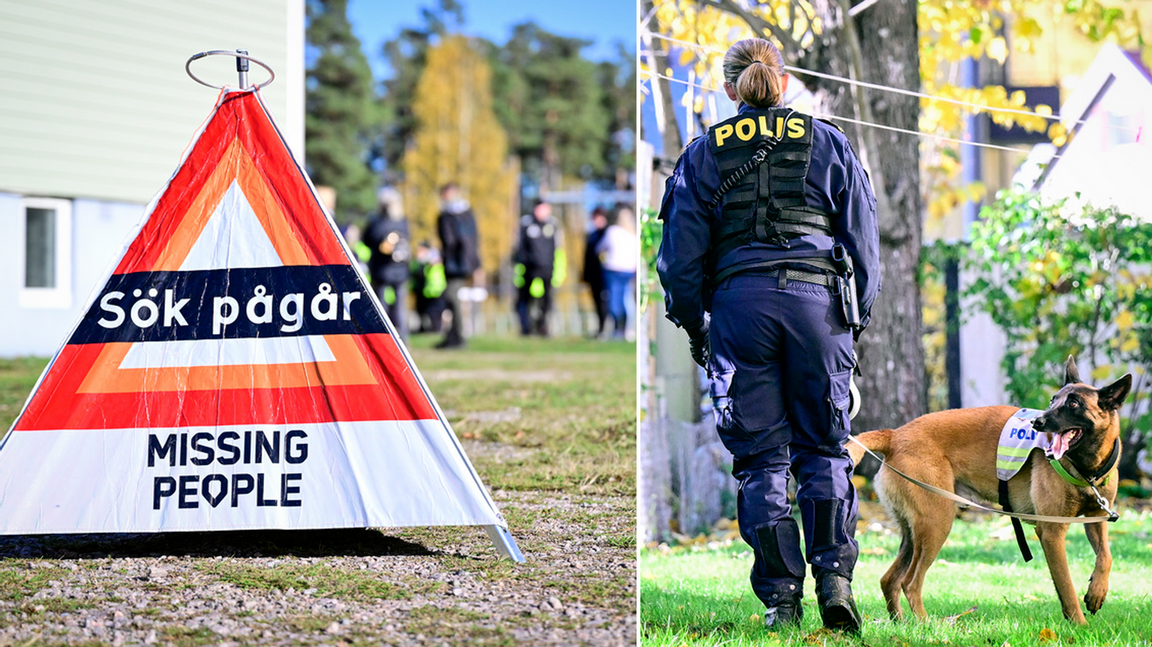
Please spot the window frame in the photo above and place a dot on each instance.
(60, 295)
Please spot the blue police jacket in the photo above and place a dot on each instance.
(836, 183)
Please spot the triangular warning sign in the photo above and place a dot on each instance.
(235, 372)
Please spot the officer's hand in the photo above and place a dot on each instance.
(700, 346)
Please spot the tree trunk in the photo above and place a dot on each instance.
(880, 46)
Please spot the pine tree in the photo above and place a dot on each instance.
(341, 115)
(458, 139)
(555, 111)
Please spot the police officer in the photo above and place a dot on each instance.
(539, 267)
(762, 218)
(460, 251)
(388, 242)
(429, 283)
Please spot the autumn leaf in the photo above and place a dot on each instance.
(952, 619)
(1124, 321)
(1047, 635)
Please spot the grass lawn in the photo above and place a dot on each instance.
(564, 409)
(701, 596)
(17, 377)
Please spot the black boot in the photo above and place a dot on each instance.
(837, 606)
(451, 340)
(784, 615)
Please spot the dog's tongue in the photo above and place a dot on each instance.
(1060, 445)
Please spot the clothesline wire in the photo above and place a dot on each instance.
(887, 88)
(876, 125)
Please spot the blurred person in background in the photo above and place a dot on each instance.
(619, 250)
(540, 266)
(593, 273)
(387, 241)
(428, 284)
(459, 244)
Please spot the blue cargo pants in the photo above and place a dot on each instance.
(780, 370)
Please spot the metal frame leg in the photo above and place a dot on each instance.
(505, 544)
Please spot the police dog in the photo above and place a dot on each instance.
(957, 450)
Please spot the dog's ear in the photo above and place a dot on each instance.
(1112, 396)
(1071, 373)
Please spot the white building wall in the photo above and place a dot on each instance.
(981, 377)
(95, 100)
(99, 232)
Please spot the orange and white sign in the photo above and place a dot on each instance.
(235, 371)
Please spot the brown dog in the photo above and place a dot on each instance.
(957, 449)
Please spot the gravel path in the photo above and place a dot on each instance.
(400, 586)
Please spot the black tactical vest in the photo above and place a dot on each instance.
(767, 203)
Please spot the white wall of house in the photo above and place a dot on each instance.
(96, 112)
(95, 99)
(1109, 159)
(37, 320)
(981, 378)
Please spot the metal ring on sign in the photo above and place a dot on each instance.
(224, 52)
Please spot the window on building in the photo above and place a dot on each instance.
(47, 254)
(39, 247)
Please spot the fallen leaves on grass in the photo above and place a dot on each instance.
(818, 637)
(722, 534)
(952, 619)
(1047, 635)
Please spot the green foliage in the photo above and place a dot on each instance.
(651, 233)
(564, 115)
(934, 261)
(1061, 279)
(341, 117)
(618, 78)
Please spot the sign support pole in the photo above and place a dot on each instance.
(242, 68)
(505, 545)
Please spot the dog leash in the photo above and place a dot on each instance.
(952, 496)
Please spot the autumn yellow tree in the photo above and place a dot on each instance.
(458, 139)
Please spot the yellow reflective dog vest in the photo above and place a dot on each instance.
(1017, 440)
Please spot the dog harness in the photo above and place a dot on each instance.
(1017, 441)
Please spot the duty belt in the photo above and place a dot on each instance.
(783, 274)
